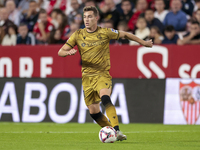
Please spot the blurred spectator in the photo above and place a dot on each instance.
(82, 5)
(73, 28)
(10, 38)
(141, 6)
(2, 34)
(170, 35)
(188, 7)
(2, 2)
(63, 26)
(110, 12)
(55, 37)
(197, 15)
(176, 16)
(42, 28)
(76, 9)
(56, 4)
(5, 22)
(142, 30)
(122, 26)
(109, 24)
(192, 37)
(126, 11)
(30, 16)
(54, 15)
(24, 37)
(90, 3)
(155, 35)
(23, 5)
(197, 5)
(151, 21)
(167, 3)
(160, 12)
(119, 6)
(79, 20)
(14, 14)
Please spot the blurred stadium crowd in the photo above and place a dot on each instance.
(33, 22)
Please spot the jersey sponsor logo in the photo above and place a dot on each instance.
(93, 44)
(190, 101)
(116, 31)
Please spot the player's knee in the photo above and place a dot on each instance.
(106, 100)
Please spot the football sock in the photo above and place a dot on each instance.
(101, 119)
(110, 111)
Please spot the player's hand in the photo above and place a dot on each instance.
(71, 52)
(148, 43)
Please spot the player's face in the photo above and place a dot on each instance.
(90, 20)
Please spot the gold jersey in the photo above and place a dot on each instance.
(94, 48)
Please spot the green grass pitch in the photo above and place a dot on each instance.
(74, 136)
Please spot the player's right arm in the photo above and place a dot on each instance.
(66, 50)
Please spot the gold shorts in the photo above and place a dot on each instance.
(92, 84)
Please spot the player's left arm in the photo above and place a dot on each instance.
(132, 37)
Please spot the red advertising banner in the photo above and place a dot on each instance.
(164, 61)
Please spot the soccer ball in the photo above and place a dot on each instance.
(107, 135)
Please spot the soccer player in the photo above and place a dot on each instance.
(93, 46)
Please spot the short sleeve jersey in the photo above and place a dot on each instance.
(94, 48)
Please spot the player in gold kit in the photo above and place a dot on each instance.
(93, 46)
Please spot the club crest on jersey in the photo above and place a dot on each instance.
(114, 30)
(190, 101)
(99, 36)
(83, 44)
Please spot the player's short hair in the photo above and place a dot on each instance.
(91, 8)
(169, 28)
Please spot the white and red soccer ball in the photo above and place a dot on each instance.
(107, 135)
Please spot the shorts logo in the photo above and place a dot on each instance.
(114, 30)
(83, 44)
(190, 101)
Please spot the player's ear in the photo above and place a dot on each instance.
(97, 17)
